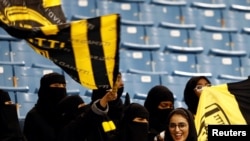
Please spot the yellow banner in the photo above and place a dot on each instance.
(217, 106)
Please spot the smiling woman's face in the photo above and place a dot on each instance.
(178, 127)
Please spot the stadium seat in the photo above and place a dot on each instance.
(239, 2)
(140, 84)
(172, 62)
(8, 81)
(135, 37)
(138, 60)
(87, 8)
(245, 66)
(209, 14)
(137, 12)
(180, 38)
(12, 97)
(66, 7)
(133, 34)
(139, 101)
(106, 7)
(24, 56)
(128, 81)
(73, 87)
(29, 76)
(241, 15)
(20, 46)
(223, 43)
(176, 84)
(178, 103)
(128, 10)
(168, 11)
(143, 83)
(6, 75)
(4, 51)
(220, 67)
(26, 102)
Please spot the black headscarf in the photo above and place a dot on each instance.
(49, 97)
(157, 118)
(192, 136)
(68, 109)
(134, 131)
(4, 97)
(10, 129)
(190, 98)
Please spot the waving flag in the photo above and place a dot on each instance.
(87, 50)
(225, 104)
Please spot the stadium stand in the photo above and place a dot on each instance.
(162, 42)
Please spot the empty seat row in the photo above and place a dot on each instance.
(157, 62)
(139, 12)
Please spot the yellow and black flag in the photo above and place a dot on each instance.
(87, 50)
(224, 104)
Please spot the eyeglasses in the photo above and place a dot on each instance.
(179, 125)
(200, 87)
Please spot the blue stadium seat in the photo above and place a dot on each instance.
(173, 36)
(4, 51)
(224, 43)
(8, 81)
(143, 83)
(106, 7)
(213, 3)
(24, 57)
(23, 52)
(239, 2)
(139, 101)
(26, 102)
(209, 14)
(133, 34)
(128, 81)
(137, 12)
(6, 75)
(168, 11)
(241, 15)
(172, 62)
(29, 76)
(180, 38)
(245, 66)
(176, 84)
(20, 46)
(135, 37)
(220, 67)
(87, 8)
(146, 14)
(66, 7)
(86, 99)
(174, 12)
(128, 10)
(12, 97)
(73, 87)
(178, 103)
(138, 60)
(140, 84)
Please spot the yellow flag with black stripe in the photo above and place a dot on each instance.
(225, 104)
(87, 50)
(31, 13)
